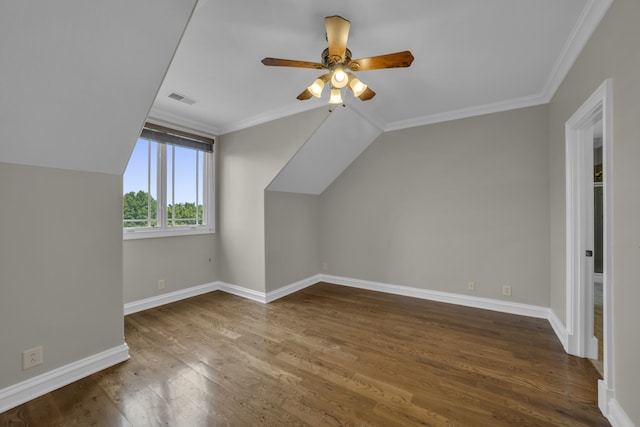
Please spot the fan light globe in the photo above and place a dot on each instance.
(357, 86)
(336, 97)
(339, 78)
(316, 88)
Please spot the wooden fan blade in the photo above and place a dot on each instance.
(337, 36)
(367, 94)
(391, 60)
(276, 62)
(306, 94)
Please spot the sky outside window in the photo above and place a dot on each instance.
(136, 177)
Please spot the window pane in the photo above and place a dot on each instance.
(153, 182)
(165, 179)
(139, 200)
(184, 192)
(170, 190)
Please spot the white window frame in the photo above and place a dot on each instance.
(208, 194)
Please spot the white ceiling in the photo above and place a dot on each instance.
(471, 57)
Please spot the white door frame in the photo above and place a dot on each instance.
(579, 187)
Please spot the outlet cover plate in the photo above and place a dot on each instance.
(32, 357)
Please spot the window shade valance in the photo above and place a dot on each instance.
(176, 137)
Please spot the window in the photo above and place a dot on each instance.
(168, 185)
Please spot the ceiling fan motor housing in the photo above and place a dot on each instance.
(337, 59)
(331, 61)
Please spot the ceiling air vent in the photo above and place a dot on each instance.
(182, 98)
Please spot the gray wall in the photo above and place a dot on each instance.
(292, 229)
(613, 53)
(75, 94)
(61, 266)
(182, 262)
(434, 207)
(249, 160)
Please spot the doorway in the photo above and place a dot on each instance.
(598, 210)
(588, 141)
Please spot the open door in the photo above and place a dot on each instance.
(598, 217)
(581, 131)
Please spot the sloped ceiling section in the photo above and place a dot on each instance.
(79, 77)
(337, 142)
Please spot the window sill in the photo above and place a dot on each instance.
(134, 234)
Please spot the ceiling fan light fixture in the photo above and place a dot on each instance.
(336, 59)
(316, 88)
(357, 86)
(336, 96)
(339, 78)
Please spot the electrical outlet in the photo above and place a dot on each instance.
(506, 290)
(471, 285)
(325, 266)
(32, 357)
(160, 284)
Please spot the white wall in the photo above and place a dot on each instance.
(249, 160)
(434, 207)
(292, 230)
(60, 266)
(612, 52)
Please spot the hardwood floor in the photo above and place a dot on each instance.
(328, 356)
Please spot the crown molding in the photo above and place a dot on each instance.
(162, 117)
(586, 25)
(463, 113)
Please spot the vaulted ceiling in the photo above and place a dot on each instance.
(471, 57)
(78, 78)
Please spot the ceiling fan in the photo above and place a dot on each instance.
(337, 59)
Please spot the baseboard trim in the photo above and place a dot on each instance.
(157, 301)
(558, 327)
(294, 287)
(22, 392)
(617, 416)
(447, 297)
(243, 292)
(451, 298)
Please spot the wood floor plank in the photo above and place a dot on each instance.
(328, 356)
